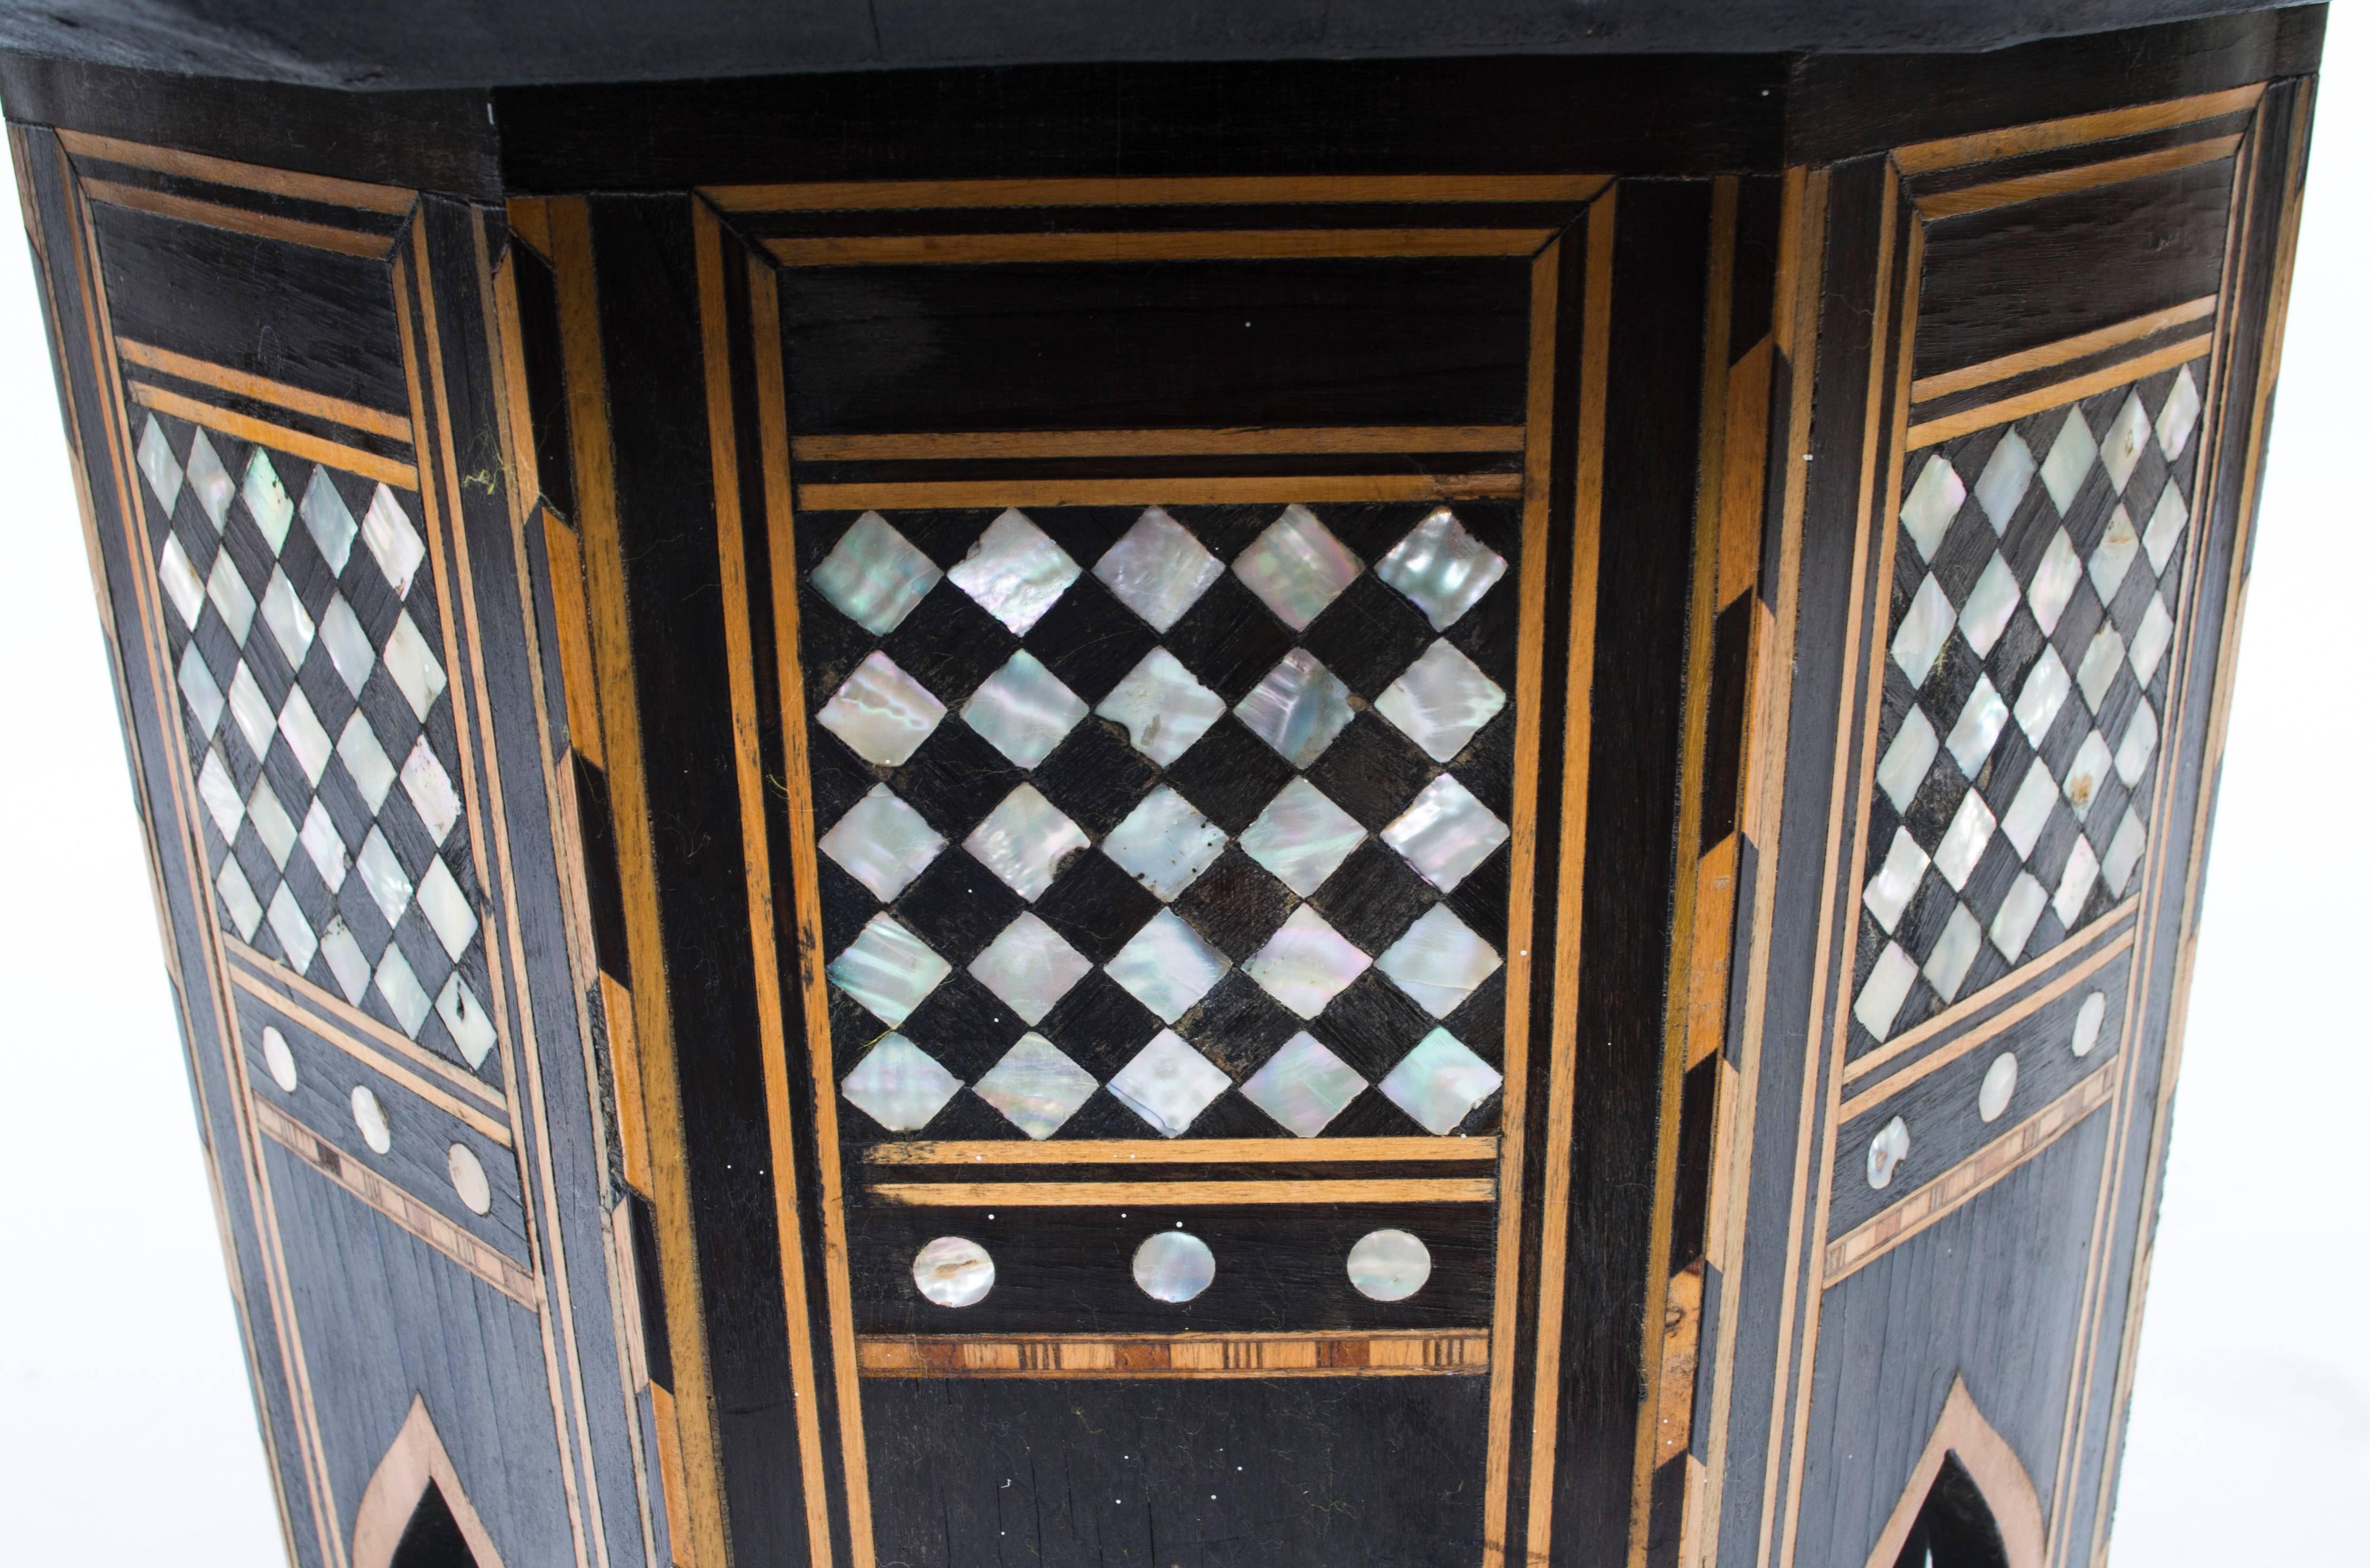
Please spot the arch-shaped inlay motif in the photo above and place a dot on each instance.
(413, 1462)
(1998, 1475)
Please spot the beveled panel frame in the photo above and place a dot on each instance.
(1560, 346)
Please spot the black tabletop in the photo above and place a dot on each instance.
(433, 43)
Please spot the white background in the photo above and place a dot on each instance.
(126, 1433)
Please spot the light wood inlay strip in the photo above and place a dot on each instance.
(2115, 171)
(1112, 1195)
(296, 443)
(1951, 426)
(1507, 1310)
(2079, 347)
(421, 1221)
(2076, 947)
(239, 220)
(353, 1031)
(1181, 490)
(1182, 1151)
(263, 389)
(806, 901)
(1989, 147)
(1369, 1354)
(1154, 245)
(913, 195)
(740, 665)
(1872, 1240)
(323, 188)
(929, 446)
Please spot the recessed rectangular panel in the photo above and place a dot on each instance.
(2030, 273)
(1386, 341)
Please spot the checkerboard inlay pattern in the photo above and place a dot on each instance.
(2037, 587)
(302, 622)
(1135, 822)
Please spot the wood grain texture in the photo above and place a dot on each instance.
(246, 427)
(238, 220)
(1418, 1352)
(2073, 130)
(717, 354)
(1183, 1151)
(1110, 1195)
(338, 410)
(1178, 491)
(933, 445)
(1219, 245)
(322, 188)
(2080, 345)
(2059, 182)
(1858, 1247)
(419, 1219)
(1930, 432)
(841, 196)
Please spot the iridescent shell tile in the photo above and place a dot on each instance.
(162, 469)
(2054, 580)
(1296, 567)
(953, 1271)
(882, 842)
(1933, 504)
(2126, 438)
(1440, 701)
(1878, 1002)
(1030, 968)
(1164, 843)
(1886, 1150)
(2111, 558)
(1954, 953)
(883, 714)
(2150, 641)
(2028, 814)
(1023, 710)
(2177, 417)
(267, 504)
(2100, 661)
(1440, 1083)
(2046, 687)
(1168, 967)
(1164, 709)
(1989, 604)
(1438, 961)
(2069, 460)
(1015, 572)
(1447, 832)
(183, 587)
(888, 970)
(1036, 1087)
(1168, 1084)
(2011, 928)
(2138, 745)
(1304, 1086)
(1979, 727)
(209, 481)
(1889, 891)
(1298, 708)
(1302, 837)
(1999, 489)
(1902, 771)
(1442, 567)
(2073, 886)
(327, 517)
(2166, 524)
(874, 575)
(1157, 570)
(900, 1085)
(1918, 641)
(1306, 963)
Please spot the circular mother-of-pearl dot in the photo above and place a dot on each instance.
(1999, 1086)
(1388, 1266)
(468, 1174)
(1174, 1266)
(371, 1117)
(280, 1059)
(1886, 1150)
(2087, 1022)
(953, 1271)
